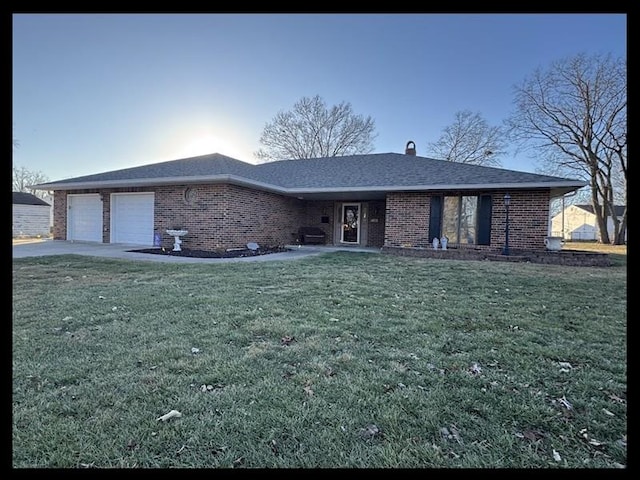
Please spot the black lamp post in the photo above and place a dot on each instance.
(507, 201)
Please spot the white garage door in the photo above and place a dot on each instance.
(132, 218)
(84, 217)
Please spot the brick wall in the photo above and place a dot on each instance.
(376, 224)
(226, 216)
(565, 257)
(60, 215)
(407, 220)
(217, 216)
(528, 219)
(312, 217)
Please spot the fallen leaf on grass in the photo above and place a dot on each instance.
(565, 403)
(608, 412)
(617, 398)
(451, 433)
(475, 369)
(195, 350)
(286, 340)
(556, 456)
(171, 414)
(533, 435)
(274, 447)
(591, 441)
(564, 365)
(371, 431)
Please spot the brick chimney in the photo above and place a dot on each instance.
(411, 148)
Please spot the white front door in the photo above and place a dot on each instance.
(132, 218)
(84, 217)
(350, 231)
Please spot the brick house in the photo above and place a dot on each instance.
(387, 200)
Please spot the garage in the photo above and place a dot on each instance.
(84, 217)
(132, 218)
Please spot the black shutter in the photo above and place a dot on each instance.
(435, 218)
(484, 220)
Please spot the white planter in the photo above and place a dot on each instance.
(553, 243)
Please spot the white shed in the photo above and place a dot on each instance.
(31, 215)
(578, 222)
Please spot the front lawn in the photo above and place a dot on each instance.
(347, 359)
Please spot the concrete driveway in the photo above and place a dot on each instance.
(44, 247)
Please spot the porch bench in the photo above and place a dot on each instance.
(311, 235)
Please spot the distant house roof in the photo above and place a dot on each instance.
(619, 209)
(374, 174)
(24, 198)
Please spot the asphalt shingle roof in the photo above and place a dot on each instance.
(205, 165)
(385, 169)
(378, 170)
(589, 208)
(24, 198)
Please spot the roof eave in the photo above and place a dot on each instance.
(558, 188)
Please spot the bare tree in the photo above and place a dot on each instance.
(23, 178)
(313, 130)
(574, 114)
(470, 139)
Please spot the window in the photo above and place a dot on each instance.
(462, 219)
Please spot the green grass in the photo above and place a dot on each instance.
(304, 356)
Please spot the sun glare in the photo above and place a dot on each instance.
(207, 144)
(203, 146)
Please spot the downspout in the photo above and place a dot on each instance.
(572, 194)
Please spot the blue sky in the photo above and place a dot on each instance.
(99, 92)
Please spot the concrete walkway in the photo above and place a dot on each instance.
(44, 247)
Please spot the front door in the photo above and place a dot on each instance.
(350, 223)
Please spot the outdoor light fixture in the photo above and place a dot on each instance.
(507, 201)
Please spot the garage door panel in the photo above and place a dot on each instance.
(84, 218)
(132, 218)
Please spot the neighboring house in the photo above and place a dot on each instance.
(384, 199)
(31, 215)
(578, 222)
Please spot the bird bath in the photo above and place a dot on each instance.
(176, 234)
